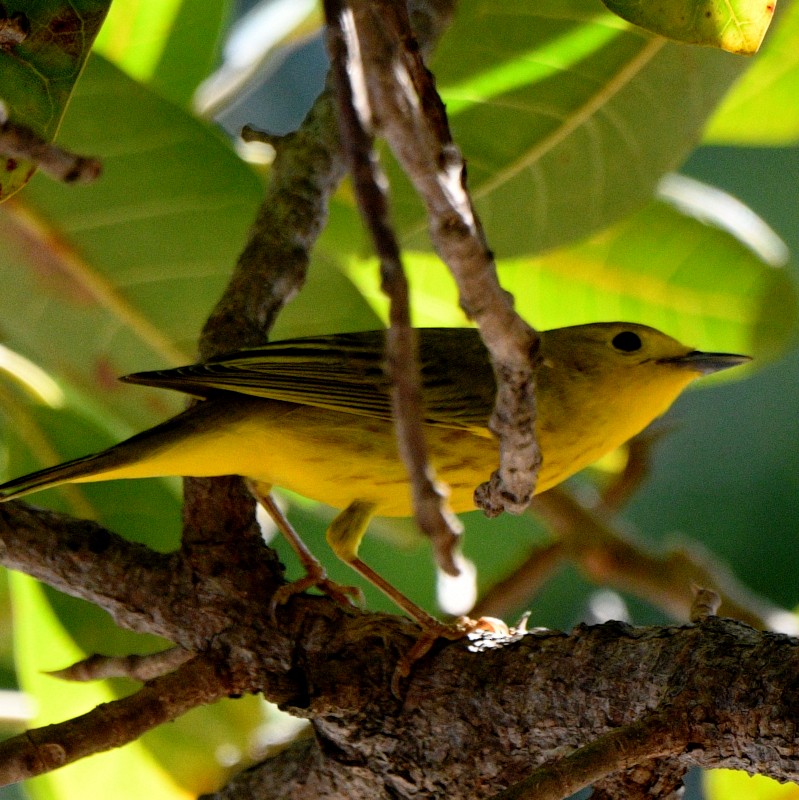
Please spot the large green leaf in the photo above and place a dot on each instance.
(567, 116)
(104, 279)
(170, 44)
(38, 73)
(762, 108)
(676, 269)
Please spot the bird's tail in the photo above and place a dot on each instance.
(137, 457)
(188, 444)
(69, 472)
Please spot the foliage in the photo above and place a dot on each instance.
(569, 119)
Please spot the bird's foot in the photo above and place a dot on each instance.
(433, 630)
(316, 577)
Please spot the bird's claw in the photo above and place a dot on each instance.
(434, 630)
(316, 577)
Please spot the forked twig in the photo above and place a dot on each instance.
(411, 117)
(110, 725)
(356, 121)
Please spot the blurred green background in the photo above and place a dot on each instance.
(564, 158)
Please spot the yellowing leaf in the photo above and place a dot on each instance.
(737, 26)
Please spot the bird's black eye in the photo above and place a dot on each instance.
(627, 341)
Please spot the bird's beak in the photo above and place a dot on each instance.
(706, 363)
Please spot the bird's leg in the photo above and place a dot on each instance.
(344, 536)
(315, 574)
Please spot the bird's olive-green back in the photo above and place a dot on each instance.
(346, 372)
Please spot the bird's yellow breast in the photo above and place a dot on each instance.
(336, 457)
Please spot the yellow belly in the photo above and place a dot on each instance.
(336, 457)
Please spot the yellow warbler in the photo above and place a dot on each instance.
(313, 415)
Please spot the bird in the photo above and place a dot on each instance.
(313, 415)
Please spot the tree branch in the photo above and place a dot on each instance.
(17, 141)
(83, 559)
(595, 703)
(609, 555)
(137, 668)
(654, 736)
(735, 686)
(110, 725)
(371, 189)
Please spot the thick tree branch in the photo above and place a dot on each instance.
(581, 707)
(500, 711)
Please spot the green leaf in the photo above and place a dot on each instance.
(43, 645)
(737, 26)
(37, 75)
(674, 268)
(567, 117)
(120, 275)
(761, 109)
(170, 44)
(135, 34)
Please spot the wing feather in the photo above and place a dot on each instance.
(344, 372)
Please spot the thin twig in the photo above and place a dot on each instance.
(636, 470)
(137, 668)
(411, 116)
(654, 737)
(609, 555)
(521, 586)
(18, 141)
(356, 126)
(112, 724)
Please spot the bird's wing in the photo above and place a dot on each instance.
(345, 372)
